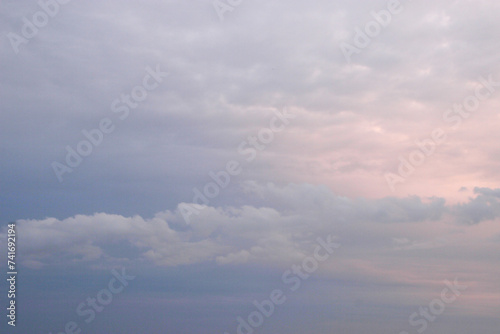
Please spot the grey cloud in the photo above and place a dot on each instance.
(485, 206)
(487, 192)
(223, 77)
(281, 231)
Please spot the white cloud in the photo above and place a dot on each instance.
(377, 236)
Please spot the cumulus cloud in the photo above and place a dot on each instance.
(281, 232)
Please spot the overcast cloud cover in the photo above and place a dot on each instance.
(391, 151)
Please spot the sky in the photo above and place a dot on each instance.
(234, 166)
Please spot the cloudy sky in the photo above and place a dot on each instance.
(204, 147)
